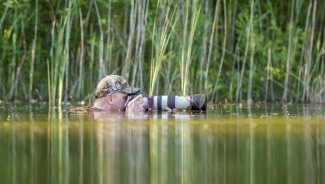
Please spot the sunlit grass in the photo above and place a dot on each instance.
(162, 30)
(231, 51)
(191, 12)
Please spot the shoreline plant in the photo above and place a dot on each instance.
(233, 51)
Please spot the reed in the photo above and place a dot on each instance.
(189, 47)
(14, 30)
(33, 53)
(58, 60)
(161, 34)
(130, 40)
(204, 48)
(213, 28)
(214, 92)
(49, 83)
(20, 64)
(92, 57)
(67, 51)
(242, 69)
(4, 43)
(102, 65)
(108, 46)
(321, 58)
(192, 13)
(4, 14)
(288, 63)
(311, 53)
(252, 52)
(142, 13)
(306, 56)
(81, 59)
(268, 74)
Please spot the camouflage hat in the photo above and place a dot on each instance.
(112, 84)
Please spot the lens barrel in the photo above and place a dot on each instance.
(193, 102)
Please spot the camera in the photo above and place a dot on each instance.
(191, 102)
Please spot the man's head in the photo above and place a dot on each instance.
(112, 91)
(114, 83)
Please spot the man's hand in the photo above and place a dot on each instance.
(169, 109)
(136, 105)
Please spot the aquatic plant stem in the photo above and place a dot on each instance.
(67, 53)
(33, 54)
(4, 14)
(49, 86)
(142, 13)
(321, 58)
(187, 41)
(201, 73)
(252, 49)
(160, 37)
(215, 86)
(305, 66)
(58, 59)
(108, 46)
(288, 63)
(310, 51)
(268, 71)
(102, 66)
(14, 55)
(81, 60)
(128, 56)
(239, 87)
(20, 65)
(4, 43)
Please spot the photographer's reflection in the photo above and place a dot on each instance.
(163, 115)
(122, 149)
(178, 115)
(118, 115)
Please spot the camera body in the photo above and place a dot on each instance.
(192, 102)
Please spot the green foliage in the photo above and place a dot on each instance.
(166, 47)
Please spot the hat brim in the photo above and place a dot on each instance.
(130, 90)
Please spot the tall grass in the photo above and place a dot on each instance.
(190, 17)
(252, 52)
(14, 57)
(214, 92)
(102, 65)
(33, 54)
(163, 26)
(212, 35)
(81, 57)
(262, 51)
(2, 39)
(60, 55)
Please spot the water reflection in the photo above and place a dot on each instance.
(240, 146)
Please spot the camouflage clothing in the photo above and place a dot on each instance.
(112, 84)
(84, 109)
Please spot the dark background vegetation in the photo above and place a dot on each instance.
(233, 51)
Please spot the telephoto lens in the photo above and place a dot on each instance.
(193, 102)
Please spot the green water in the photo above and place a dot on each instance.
(227, 144)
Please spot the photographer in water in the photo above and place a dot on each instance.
(111, 95)
(114, 94)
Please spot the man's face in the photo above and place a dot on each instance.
(118, 100)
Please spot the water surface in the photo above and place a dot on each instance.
(227, 144)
